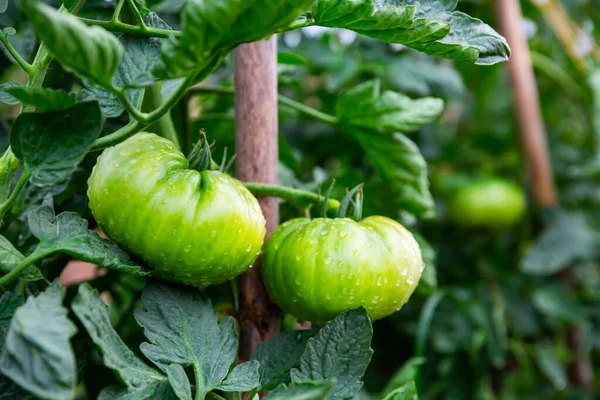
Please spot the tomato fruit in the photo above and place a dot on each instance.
(492, 203)
(316, 269)
(195, 228)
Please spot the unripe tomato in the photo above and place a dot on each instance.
(491, 203)
(316, 269)
(196, 228)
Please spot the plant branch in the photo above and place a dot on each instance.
(117, 136)
(118, 26)
(321, 116)
(298, 198)
(25, 66)
(18, 270)
(117, 13)
(6, 205)
(138, 15)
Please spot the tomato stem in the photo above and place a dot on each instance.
(296, 197)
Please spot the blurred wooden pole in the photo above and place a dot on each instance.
(257, 161)
(535, 149)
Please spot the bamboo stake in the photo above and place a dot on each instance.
(535, 149)
(257, 161)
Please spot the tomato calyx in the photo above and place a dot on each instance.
(350, 206)
(200, 158)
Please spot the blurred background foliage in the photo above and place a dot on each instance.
(498, 320)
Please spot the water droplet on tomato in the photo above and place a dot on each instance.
(328, 260)
(404, 272)
(213, 233)
(343, 234)
(248, 248)
(379, 280)
(188, 248)
(133, 161)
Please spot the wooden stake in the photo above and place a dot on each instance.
(535, 149)
(257, 161)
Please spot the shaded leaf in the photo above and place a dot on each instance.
(10, 257)
(52, 144)
(402, 168)
(551, 366)
(37, 353)
(428, 282)
(68, 233)
(243, 378)
(93, 314)
(89, 51)
(182, 328)
(404, 376)
(43, 99)
(555, 302)
(567, 238)
(179, 382)
(365, 107)
(341, 351)
(278, 356)
(5, 96)
(423, 77)
(407, 392)
(9, 302)
(302, 391)
(139, 59)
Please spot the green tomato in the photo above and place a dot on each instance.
(316, 269)
(195, 228)
(492, 203)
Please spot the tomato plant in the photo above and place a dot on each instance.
(115, 121)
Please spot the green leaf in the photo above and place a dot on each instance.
(93, 314)
(430, 26)
(406, 392)
(243, 378)
(424, 77)
(302, 391)
(568, 238)
(140, 57)
(43, 99)
(365, 107)
(162, 391)
(210, 29)
(11, 257)
(190, 336)
(37, 354)
(594, 84)
(89, 51)
(52, 144)
(3, 6)
(555, 302)
(404, 376)
(68, 233)
(340, 351)
(551, 366)
(278, 356)
(428, 283)
(9, 302)
(179, 381)
(9, 166)
(402, 168)
(5, 96)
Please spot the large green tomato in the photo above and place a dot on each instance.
(492, 203)
(316, 269)
(196, 228)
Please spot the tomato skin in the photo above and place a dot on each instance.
(492, 203)
(195, 228)
(316, 269)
